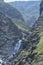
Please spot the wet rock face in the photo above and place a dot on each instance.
(9, 33)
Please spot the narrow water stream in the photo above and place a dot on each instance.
(17, 46)
(14, 51)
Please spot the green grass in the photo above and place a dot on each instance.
(21, 25)
(39, 51)
(41, 63)
(39, 48)
(40, 45)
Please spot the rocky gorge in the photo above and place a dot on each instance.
(19, 47)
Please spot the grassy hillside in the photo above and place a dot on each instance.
(38, 58)
(38, 52)
(21, 25)
(40, 45)
(14, 14)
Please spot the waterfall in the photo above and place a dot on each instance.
(15, 49)
(17, 46)
(2, 62)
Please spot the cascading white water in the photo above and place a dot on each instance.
(14, 51)
(17, 46)
(2, 62)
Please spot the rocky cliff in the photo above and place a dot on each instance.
(9, 35)
(32, 46)
(38, 57)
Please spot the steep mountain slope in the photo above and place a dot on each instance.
(32, 46)
(31, 49)
(10, 11)
(29, 10)
(9, 35)
(38, 27)
(13, 13)
(38, 58)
